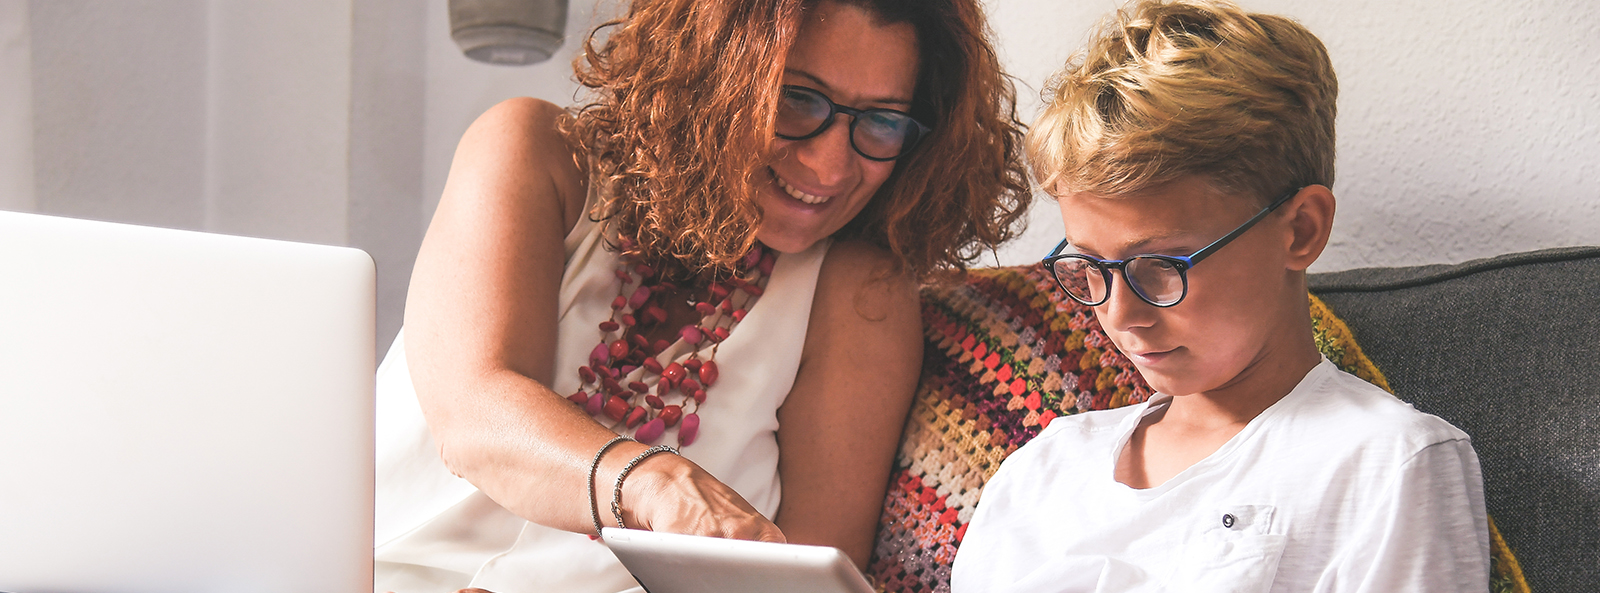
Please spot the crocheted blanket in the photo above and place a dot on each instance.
(1006, 353)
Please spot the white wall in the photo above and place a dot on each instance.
(1466, 128)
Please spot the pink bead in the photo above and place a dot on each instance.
(691, 334)
(639, 297)
(600, 355)
(767, 261)
(689, 430)
(752, 257)
(595, 405)
(650, 432)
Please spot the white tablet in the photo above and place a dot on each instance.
(672, 563)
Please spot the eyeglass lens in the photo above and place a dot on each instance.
(1156, 280)
(876, 133)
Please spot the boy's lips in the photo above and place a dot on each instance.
(1150, 356)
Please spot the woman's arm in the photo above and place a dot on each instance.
(840, 425)
(481, 337)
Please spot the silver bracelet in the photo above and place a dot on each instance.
(594, 466)
(616, 495)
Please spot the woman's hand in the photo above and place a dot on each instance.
(671, 494)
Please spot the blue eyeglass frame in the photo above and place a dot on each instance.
(920, 129)
(1181, 262)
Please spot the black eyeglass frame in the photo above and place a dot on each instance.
(919, 129)
(1180, 262)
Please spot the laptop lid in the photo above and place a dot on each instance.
(182, 412)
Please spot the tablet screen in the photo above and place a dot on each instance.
(672, 563)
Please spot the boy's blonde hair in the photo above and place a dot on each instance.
(1172, 88)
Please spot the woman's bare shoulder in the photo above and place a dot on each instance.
(859, 279)
(518, 144)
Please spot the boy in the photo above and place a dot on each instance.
(1191, 148)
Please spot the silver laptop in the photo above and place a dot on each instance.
(182, 412)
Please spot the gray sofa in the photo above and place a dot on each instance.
(1507, 349)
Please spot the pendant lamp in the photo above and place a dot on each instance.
(508, 32)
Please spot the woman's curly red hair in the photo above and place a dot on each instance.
(680, 130)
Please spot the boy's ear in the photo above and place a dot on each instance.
(1311, 218)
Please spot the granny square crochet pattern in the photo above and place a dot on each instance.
(1006, 353)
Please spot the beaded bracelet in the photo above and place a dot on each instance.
(616, 495)
(594, 466)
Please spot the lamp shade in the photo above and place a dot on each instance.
(508, 32)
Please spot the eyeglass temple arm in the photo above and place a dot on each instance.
(1219, 243)
(1057, 251)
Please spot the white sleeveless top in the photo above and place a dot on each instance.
(437, 533)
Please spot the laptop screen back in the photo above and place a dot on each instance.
(182, 411)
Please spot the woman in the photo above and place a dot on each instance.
(747, 206)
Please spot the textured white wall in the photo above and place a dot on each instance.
(1466, 128)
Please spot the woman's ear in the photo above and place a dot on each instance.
(1310, 216)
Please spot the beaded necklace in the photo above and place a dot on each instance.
(616, 387)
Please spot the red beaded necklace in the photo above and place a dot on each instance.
(615, 380)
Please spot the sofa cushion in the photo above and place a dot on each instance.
(1505, 349)
(1006, 354)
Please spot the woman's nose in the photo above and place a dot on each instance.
(829, 155)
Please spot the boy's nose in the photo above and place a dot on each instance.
(1123, 309)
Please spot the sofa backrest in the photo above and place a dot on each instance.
(1508, 350)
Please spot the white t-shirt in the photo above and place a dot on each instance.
(1339, 486)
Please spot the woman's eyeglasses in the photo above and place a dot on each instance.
(1161, 280)
(878, 134)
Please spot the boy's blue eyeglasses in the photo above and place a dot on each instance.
(1161, 280)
